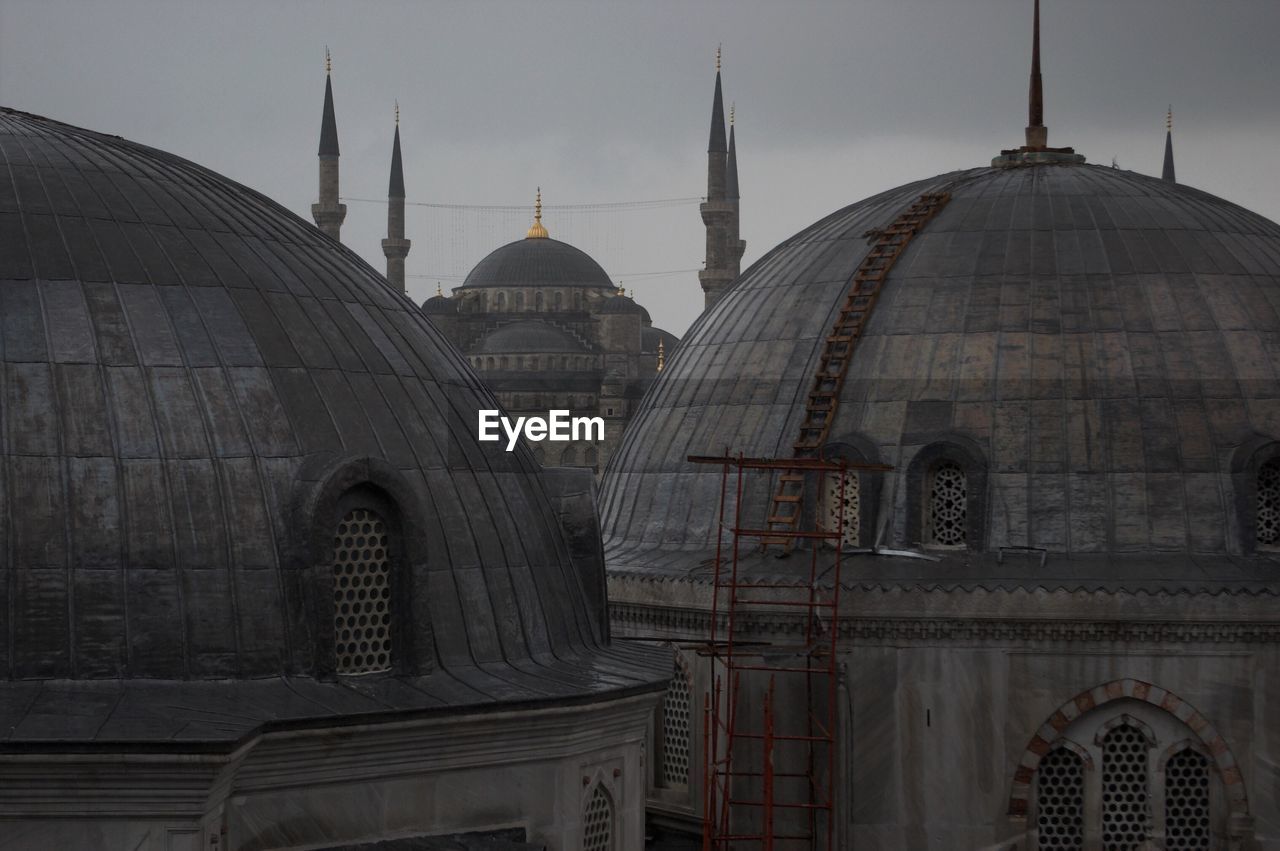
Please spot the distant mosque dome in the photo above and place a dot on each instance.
(621, 304)
(538, 262)
(528, 337)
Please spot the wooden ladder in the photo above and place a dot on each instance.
(837, 352)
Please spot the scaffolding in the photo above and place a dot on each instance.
(768, 782)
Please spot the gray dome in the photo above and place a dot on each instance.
(620, 304)
(538, 262)
(195, 379)
(649, 338)
(438, 304)
(528, 336)
(1100, 340)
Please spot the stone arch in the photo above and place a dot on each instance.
(1247, 462)
(1209, 738)
(973, 461)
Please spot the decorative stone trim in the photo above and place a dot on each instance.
(666, 621)
(1210, 739)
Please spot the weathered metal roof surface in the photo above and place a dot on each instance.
(1105, 338)
(528, 335)
(538, 263)
(185, 363)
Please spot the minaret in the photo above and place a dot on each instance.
(395, 246)
(1168, 174)
(717, 212)
(1037, 133)
(328, 214)
(736, 245)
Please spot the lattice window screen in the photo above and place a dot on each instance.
(361, 594)
(1060, 801)
(948, 505)
(1269, 504)
(1186, 802)
(1126, 811)
(675, 728)
(597, 822)
(831, 507)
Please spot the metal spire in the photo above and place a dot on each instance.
(662, 356)
(536, 230)
(328, 123)
(1037, 134)
(1168, 172)
(717, 143)
(395, 189)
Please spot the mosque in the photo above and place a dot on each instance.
(952, 523)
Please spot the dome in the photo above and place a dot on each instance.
(439, 304)
(621, 304)
(530, 336)
(538, 262)
(650, 337)
(197, 384)
(1099, 341)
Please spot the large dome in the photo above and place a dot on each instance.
(194, 381)
(1100, 343)
(538, 262)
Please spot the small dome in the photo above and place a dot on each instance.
(621, 304)
(532, 337)
(538, 262)
(439, 304)
(650, 337)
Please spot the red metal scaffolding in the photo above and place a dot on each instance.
(769, 781)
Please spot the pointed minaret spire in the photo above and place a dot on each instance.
(395, 247)
(1168, 173)
(718, 211)
(1037, 133)
(731, 167)
(328, 213)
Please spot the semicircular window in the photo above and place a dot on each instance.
(1269, 504)
(947, 511)
(362, 593)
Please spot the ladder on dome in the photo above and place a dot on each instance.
(837, 352)
(768, 782)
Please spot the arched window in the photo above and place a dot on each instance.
(1186, 802)
(1269, 504)
(540, 455)
(539, 302)
(520, 300)
(1126, 807)
(489, 363)
(675, 727)
(577, 299)
(1060, 795)
(597, 821)
(591, 456)
(557, 300)
(500, 301)
(838, 506)
(946, 507)
(569, 458)
(503, 363)
(362, 593)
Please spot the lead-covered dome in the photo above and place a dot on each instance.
(538, 262)
(1093, 347)
(228, 444)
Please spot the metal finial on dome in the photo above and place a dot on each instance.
(439, 290)
(1037, 133)
(536, 230)
(718, 46)
(1168, 119)
(662, 356)
(1168, 172)
(620, 291)
(397, 112)
(732, 106)
(328, 63)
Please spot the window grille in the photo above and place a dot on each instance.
(1269, 504)
(1126, 812)
(597, 822)
(1186, 802)
(948, 505)
(675, 729)
(361, 594)
(833, 507)
(1060, 801)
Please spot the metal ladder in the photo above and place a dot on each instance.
(837, 352)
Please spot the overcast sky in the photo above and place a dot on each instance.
(608, 102)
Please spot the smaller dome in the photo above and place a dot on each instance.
(650, 337)
(621, 304)
(538, 262)
(438, 304)
(528, 337)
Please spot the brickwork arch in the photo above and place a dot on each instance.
(1207, 735)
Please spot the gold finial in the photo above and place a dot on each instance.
(536, 230)
(620, 291)
(1168, 119)
(397, 112)
(439, 291)
(662, 356)
(328, 64)
(731, 108)
(718, 58)
(633, 295)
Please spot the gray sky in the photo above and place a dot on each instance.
(608, 102)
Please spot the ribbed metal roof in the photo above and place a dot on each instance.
(1103, 337)
(538, 262)
(527, 336)
(185, 366)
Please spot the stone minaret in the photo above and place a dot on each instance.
(395, 246)
(1168, 173)
(1037, 133)
(329, 214)
(736, 245)
(718, 214)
